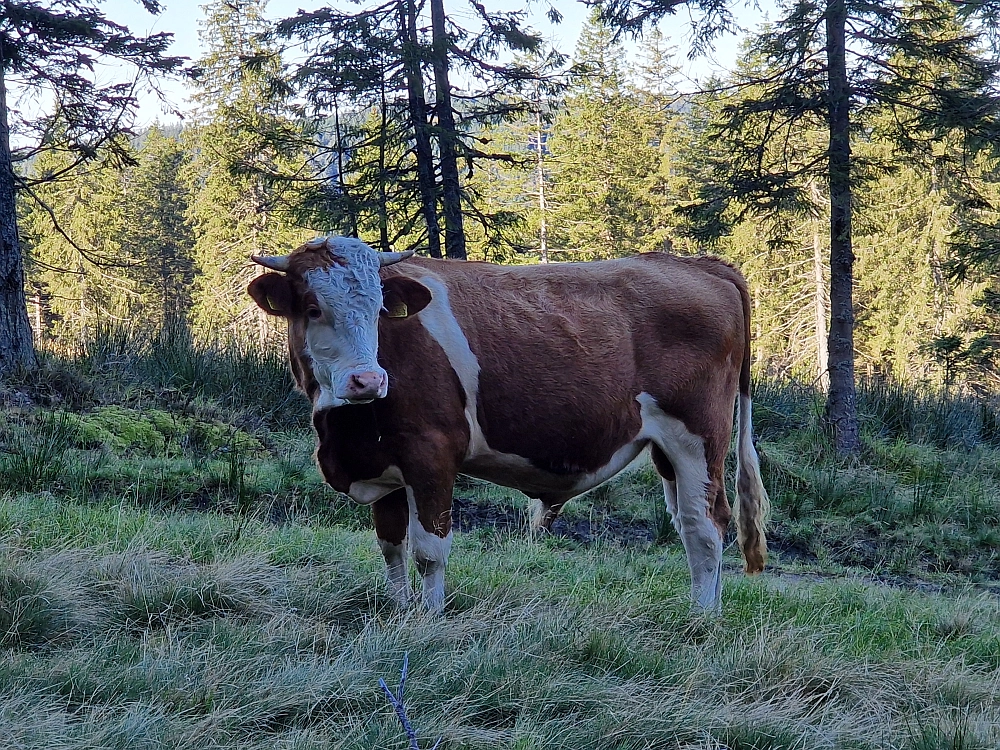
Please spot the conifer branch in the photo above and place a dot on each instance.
(89, 255)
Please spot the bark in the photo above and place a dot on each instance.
(451, 193)
(38, 316)
(543, 231)
(841, 407)
(16, 345)
(352, 216)
(819, 297)
(417, 102)
(383, 200)
(822, 354)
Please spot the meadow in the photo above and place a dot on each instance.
(174, 574)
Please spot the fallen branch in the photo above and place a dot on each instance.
(397, 703)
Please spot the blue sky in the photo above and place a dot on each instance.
(181, 17)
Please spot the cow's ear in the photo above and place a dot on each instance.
(274, 293)
(403, 297)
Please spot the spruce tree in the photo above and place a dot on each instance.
(906, 219)
(156, 236)
(246, 145)
(77, 247)
(517, 189)
(126, 252)
(922, 62)
(51, 49)
(376, 66)
(609, 195)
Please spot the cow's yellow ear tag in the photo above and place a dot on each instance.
(271, 303)
(398, 310)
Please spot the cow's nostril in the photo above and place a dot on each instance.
(365, 383)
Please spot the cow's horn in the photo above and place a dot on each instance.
(274, 262)
(387, 259)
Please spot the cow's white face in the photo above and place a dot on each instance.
(333, 289)
(342, 327)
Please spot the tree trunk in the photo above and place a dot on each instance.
(39, 330)
(451, 194)
(417, 101)
(353, 217)
(383, 200)
(822, 353)
(841, 408)
(819, 295)
(16, 346)
(166, 286)
(543, 230)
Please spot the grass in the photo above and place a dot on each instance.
(174, 574)
(278, 638)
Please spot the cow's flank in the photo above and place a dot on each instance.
(549, 379)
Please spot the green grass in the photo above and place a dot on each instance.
(152, 636)
(174, 574)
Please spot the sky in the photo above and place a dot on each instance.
(181, 18)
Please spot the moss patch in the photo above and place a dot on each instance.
(156, 432)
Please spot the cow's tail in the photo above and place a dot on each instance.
(752, 504)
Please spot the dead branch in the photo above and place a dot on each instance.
(396, 700)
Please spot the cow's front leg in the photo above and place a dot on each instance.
(391, 515)
(430, 536)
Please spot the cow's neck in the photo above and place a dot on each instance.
(352, 443)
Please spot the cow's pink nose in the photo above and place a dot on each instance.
(364, 385)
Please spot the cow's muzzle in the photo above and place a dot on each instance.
(364, 387)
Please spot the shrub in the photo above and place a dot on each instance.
(35, 457)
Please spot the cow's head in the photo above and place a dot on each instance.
(330, 292)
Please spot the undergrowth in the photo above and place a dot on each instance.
(920, 499)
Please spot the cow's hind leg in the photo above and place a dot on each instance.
(686, 456)
(545, 510)
(669, 479)
(391, 515)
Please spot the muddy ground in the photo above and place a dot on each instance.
(790, 562)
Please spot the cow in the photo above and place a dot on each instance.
(549, 379)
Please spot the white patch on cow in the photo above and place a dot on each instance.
(345, 340)
(395, 571)
(698, 532)
(670, 498)
(367, 491)
(440, 322)
(541, 515)
(430, 553)
(621, 458)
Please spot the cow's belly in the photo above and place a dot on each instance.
(511, 470)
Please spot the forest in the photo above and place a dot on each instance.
(174, 573)
(545, 155)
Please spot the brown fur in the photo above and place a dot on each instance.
(564, 350)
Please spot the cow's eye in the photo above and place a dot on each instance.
(314, 313)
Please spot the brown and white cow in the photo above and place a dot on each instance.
(548, 378)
